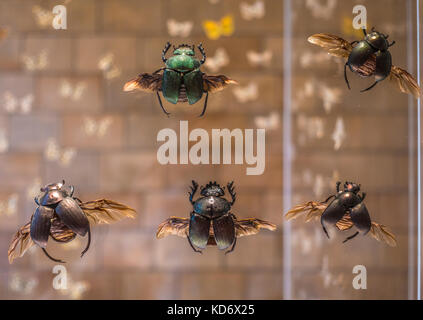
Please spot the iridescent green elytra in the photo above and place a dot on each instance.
(182, 78)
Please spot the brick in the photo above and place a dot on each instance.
(90, 50)
(17, 169)
(211, 286)
(82, 172)
(264, 286)
(31, 132)
(9, 53)
(176, 254)
(87, 133)
(149, 285)
(128, 250)
(49, 96)
(58, 51)
(267, 249)
(135, 16)
(138, 171)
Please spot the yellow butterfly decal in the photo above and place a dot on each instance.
(348, 30)
(215, 29)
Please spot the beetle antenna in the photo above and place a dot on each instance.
(165, 50)
(200, 47)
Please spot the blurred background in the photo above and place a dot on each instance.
(63, 115)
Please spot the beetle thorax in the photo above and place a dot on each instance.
(377, 41)
(211, 206)
(183, 63)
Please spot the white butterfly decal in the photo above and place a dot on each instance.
(179, 29)
(270, 122)
(259, 58)
(56, 154)
(247, 93)
(322, 11)
(252, 11)
(218, 61)
(37, 62)
(9, 207)
(97, 128)
(72, 92)
(108, 66)
(339, 134)
(12, 104)
(4, 142)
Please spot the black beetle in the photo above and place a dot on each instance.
(344, 211)
(55, 202)
(368, 57)
(182, 79)
(62, 217)
(211, 222)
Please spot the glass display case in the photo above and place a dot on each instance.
(293, 130)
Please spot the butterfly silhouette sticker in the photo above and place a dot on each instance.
(252, 11)
(215, 29)
(218, 61)
(179, 29)
(13, 104)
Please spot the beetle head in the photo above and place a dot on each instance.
(377, 40)
(53, 186)
(213, 189)
(184, 49)
(352, 187)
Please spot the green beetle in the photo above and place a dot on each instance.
(181, 80)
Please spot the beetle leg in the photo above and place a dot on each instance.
(88, 244)
(231, 190)
(51, 258)
(351, 237)
(324, 229)
(371, 87)
(354, 42)
(390, 45)
(345, 75)
(161, 105)
(165, 50)
(327, 200)
(72, 189)
(192, 246)
(194, 188)
(37, 201)
(157, 71)
(232, 248)
(338, 185)
(365, 31)
(363, 196)
(200, 47)
(205, 105)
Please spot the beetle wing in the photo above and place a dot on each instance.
(251, 226)
(224, 231)
(171, 85)
(405, 82)
(106, 211)
(333, 213)
(173, 226)
(199, 230)
(345, 223)
(311, 210)
(40, 225)
(334, 45)
(72, 216)
(214, 84)
(20, 243)
(361, 218)
(60, 232)
(194, 85)
(381, 233)
(145, 82)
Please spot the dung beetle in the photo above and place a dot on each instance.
(368, 57)
(62, 217)
(57, 203)
(182, 80)
(211, 222)
(344, 211)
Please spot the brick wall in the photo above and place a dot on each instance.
(55, 139)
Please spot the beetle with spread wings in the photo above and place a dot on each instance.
(346, 210)
(181, 80)
(62, 217)
(368, 57)
(211, 222)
